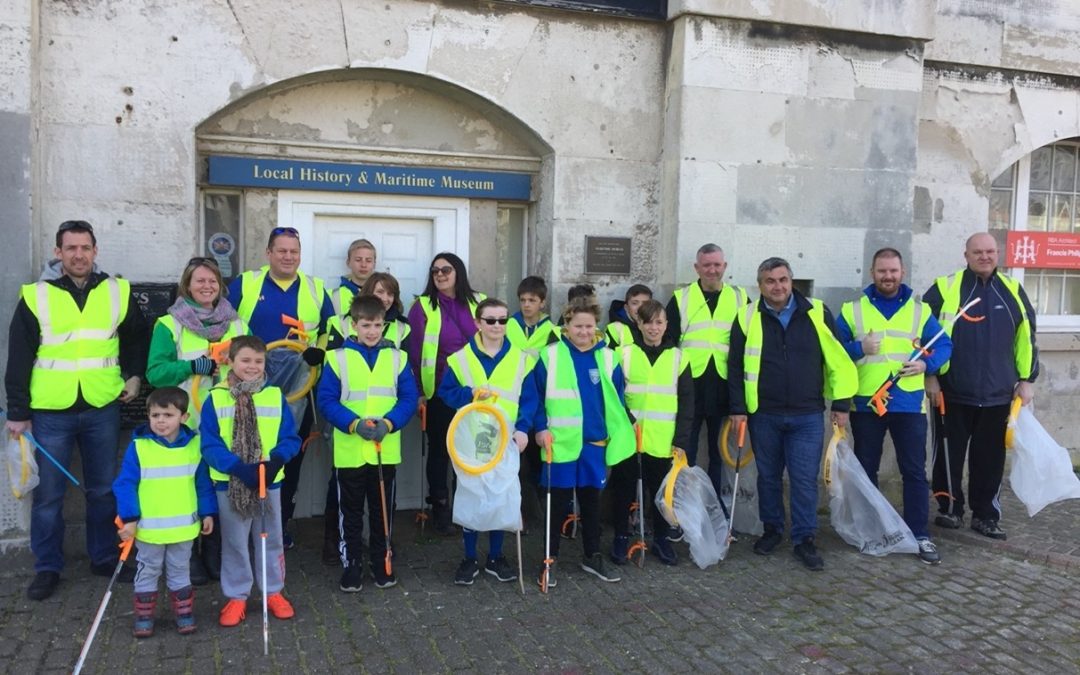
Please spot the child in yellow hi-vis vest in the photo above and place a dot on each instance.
(245, 424)
(368, 393)
(165, 499)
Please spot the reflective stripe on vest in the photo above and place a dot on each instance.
(562, 402)
(897, 334)
(652, 391)
(1023, 353)
(308, 299)
(536, 341)
(79, 350)
(342, 298)
(841, 378)
(168, 501)
(619, 334)
(190, 346)
(705, 336)
(429, 351)
(504, 382)
(268, 403)
(366, 392)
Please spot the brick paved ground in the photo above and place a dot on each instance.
(986, 609)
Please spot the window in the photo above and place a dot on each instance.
(1040, 193)
(222, 217)
(511, 235)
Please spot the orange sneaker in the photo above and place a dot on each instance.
(233, 612)
(279, 606)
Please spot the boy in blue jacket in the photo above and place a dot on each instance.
(163, 491)
(245, 424)
(368, 393)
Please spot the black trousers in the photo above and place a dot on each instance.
(438, 460)
(978, 434)
(291, 481)
(623, 484)
(359, 489)
(588, 499)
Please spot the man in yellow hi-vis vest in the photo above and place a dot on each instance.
(785, 361)
(77, 348)
(994, 359)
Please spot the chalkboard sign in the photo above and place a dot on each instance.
(154, 301)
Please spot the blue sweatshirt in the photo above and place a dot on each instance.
(217, 454)
(265, 320)
(526, 328)
(457, 395)
(900, 401)
(594, 428)
(126, 485)
(328, 394)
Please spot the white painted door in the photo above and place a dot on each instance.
(407, 232)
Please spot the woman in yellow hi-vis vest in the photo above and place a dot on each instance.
(441, 322)
(582, 416)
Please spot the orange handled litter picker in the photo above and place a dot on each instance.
(945, 450)
(262, 543)
(382, 501)
(422, 514)
(545, 576)
(880, 400)
(125, 550)
(639, 546)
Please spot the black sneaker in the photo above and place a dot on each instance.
(287, 542)
(43, 585)
(595, 565)
(949, 521)
(352, 579)
(466, 572)
(768, 541)
(988, 527)
(928, 552)
(807, 554)
(675, 534)
(382, 579)
(619, 547)
(500, 569)
(662, 549)
(551, 582)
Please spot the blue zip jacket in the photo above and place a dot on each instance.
(457, 395)
(126, 485)
(594, 428)
(218, 456)
(528, 330)
(900, 401)
(328, 394)
(273, 302)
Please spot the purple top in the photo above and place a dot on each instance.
(458, 327)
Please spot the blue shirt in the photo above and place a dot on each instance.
(265, 320)
(457, 395)
(784, 315)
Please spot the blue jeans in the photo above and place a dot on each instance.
(908, 431)
(793, 442)
(96, 432)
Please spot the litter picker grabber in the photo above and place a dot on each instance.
(880, 400)
(735, 486)
(218, 353)
(422, 515)
(52, 459)
(387, 565)
(125, 550)
(639, 546)
(945, 449)
(570, 524)
(547, 524)
(262, 544)
(521, 575)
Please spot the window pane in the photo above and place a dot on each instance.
(1000, 209)
(1040, 168)
(1054, 287)
(1062, 220)
(221, 226)
(1072, 293)
(1037, 212)
(1064, 168)
(1005, 180)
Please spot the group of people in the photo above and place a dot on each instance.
(216, 466)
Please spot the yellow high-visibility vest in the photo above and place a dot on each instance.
(190, 346)
(168, 502)
(268, 403)
(652, 394)
(505, 380)
(367, 392)
(309, 299)
(532, 344)
(898, 335)
(429, 351)
(705, 335)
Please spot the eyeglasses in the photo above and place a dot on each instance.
(491, 321)
(200, 261)
(445, 270)
(81, 225)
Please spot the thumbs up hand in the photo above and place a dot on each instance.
(871, 344)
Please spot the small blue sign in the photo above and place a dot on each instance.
(291, 174)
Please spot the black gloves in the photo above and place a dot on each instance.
(313, 356)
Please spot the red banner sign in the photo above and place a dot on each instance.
(1047, 250)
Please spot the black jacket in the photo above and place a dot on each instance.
(982, 369)
(24, 338)
(792, 380)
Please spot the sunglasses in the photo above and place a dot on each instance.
(285, 230)
(492, 321)
(80, 225)
(445, 270)
(200, 261)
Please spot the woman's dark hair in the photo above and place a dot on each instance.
(463, 292)
(389, 284)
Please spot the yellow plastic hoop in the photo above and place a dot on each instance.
(678, 463)
(1010, 429)
(195, 402)
(830, 453)
(748, 453)
(504, 437)
(313, 371)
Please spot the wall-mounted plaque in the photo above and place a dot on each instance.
(607, 255)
